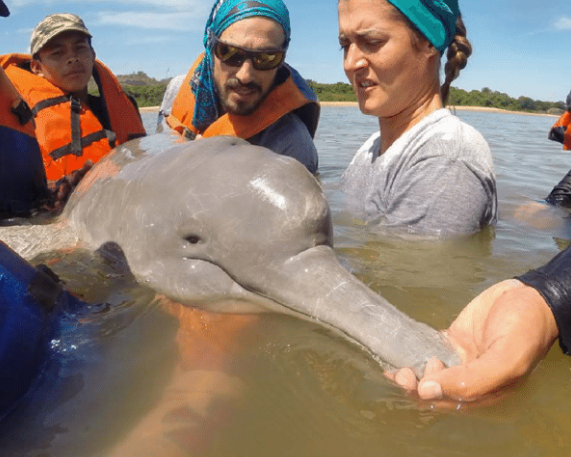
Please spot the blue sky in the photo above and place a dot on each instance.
(521, 47)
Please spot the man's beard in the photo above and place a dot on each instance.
(241, 108)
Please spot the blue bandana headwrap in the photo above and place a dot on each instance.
(224, 14)
(436, 19)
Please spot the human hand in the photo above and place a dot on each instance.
(500, 335)
(62, 189)
(541, 215)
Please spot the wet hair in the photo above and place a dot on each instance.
(456, 58)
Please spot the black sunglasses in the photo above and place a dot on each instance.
(235, 56)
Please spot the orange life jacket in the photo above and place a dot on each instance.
(283, 99)
(7, 118)
(561, 132)
(68, 132)
(23, 186)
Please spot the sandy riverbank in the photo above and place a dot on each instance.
(457, 108)
(154, 109)
(149, 109)
(496, 110)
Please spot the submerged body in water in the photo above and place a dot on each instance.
(436, 179)
(285, 380)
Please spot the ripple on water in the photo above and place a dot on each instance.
(295, 387)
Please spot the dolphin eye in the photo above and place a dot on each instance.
(193, 239)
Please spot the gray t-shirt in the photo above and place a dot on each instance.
(437, 178)
(288, 136)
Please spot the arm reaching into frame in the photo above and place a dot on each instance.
(501, 335)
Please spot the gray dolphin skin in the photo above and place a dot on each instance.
(221, 224)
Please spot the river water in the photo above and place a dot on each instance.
(273, 385)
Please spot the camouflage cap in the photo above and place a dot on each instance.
(53, 25)
(4, 11)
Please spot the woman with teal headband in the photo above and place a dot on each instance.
(425, 171)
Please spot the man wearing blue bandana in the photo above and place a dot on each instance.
(241, 85)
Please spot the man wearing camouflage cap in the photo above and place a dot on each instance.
(52, 35)
(74, 129)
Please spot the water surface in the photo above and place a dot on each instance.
(130, 382)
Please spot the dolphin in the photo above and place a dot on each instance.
(222, 224)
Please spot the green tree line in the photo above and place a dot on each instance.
(494, 99)
(149, 92)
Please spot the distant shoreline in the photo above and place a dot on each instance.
(457, 108)
(154, 109)
(149, 109)
(497, 110)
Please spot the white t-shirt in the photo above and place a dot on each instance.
(437, 178)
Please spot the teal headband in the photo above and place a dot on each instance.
(435, 19)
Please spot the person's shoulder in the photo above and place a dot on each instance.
(289, 121)
(375, 138)
(289, 136)
(450, 123)
(370, 147)
(444, 138)
(289, 127)
(459, 137)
